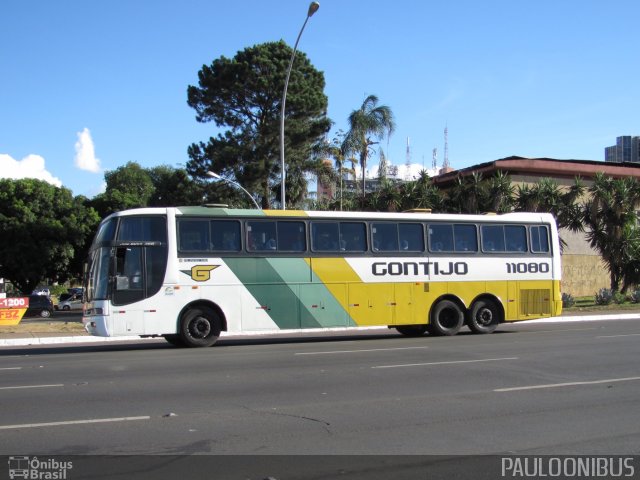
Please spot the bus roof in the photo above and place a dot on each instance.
(204, 211)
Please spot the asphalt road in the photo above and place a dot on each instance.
(527, 389)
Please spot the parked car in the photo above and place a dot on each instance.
(74, 302)
(42, 291)
(39, 305)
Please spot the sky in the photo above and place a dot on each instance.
(87, 86)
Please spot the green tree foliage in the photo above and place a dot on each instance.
(610, 220)
(547, 196)
(133, 186)
(173, 187)
(475, 194)
(44, 232)
(129, 186)
(243, 94)
(367, 126)
(468, 195)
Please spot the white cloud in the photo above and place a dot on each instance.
(85, 153)
(31, 166)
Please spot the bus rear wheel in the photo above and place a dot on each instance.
(446, 318)
(199, 327)
(485, 316)
(411, 330)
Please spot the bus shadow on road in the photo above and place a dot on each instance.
(161, 344)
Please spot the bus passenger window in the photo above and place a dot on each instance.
(225, 235)
(291, 236)
(193, 235)
(466, 238)
(384, 237)
(516, 237)
(539, 239)
(324, 236)
(441, 238)
(411, 239)
(261, 236)
(492, 238)
(352, 237)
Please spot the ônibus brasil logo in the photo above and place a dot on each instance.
(37, 469)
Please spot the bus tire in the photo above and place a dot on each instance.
(446, 318)
(485, 316)
(411, 330)
(199, 327)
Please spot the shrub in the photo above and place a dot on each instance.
(58, 289)
(568, 300)
(619, 298)
(604, 296)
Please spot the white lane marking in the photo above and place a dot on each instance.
(625, 335)
(358, 351)
(567, 384)
(447, 363)
(31, 386)
(11, 368)
(559, 330)
(73, 422)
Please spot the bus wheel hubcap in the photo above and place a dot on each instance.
(200, 327)
(485, 317)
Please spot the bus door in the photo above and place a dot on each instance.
(127, 290)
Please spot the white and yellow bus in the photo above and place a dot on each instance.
(190, 273)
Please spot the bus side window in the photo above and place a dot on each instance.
(539, 239)
(261, 236)
(492, 238)
(384, 237)
(225, 235)
(291, 237)
(325, 236)
(516, 238)
(352, 236)
(411, 237)
(193, 235)
(440, 237)
(466, 238)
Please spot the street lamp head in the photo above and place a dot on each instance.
(213, 174)
(313, 8)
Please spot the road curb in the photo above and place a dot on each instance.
(74, 339)
(22, 342)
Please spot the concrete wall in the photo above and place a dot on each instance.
(583, 272)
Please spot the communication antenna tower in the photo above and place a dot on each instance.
(446, 148)
(407, 171)
(434, 162)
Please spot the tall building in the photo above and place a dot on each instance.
(626, 149)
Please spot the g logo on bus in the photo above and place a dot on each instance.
(200, 273)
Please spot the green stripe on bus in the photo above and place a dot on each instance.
(284, 288)
(317, 303)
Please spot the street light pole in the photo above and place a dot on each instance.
(218, 177)
(313, 8)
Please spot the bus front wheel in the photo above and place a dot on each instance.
(199, 327)
(446, 318)
(485, 316)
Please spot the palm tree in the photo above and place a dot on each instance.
(367, 125)
(468, 195)
(500, 193)
(610, 217)
(547, 196)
